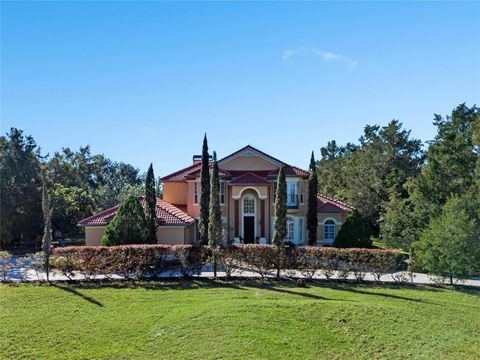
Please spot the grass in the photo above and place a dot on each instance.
(237, 320)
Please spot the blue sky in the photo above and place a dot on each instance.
(142, 82)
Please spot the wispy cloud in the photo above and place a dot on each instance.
(289, 54)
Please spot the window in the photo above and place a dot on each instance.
(195, 192)
(222, 192)
(274, 190)
(249, 205)
(301, 192)
(291, 193)
(300, 230)
(290, 230)
(329, 230)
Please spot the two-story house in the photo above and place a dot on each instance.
(247, 195)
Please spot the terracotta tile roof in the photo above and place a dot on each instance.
(249, 178)
(167, 214)
(181, 174)
(189, 172)
(290, 171)
(326, 204)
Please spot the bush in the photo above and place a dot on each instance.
(128, 260)
(151, 260)
(258, 258)
(355, 232)
(5, 265)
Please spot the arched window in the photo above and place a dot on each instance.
(249, 205)
(329, 230)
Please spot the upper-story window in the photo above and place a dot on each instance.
(222, 192)
(301, 191)
(329, 230)
(195, 192)
(291, 193)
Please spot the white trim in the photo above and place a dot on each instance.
(261, 197)
(250, 215)
(330, 218)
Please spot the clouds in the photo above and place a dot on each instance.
(326, 56)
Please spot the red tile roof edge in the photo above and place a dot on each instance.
(174, 212)
(340, 204)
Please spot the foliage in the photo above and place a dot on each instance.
(365, 175)
(451, 160)
(128, 226)
(400, 223)
(354, 233)
(70, 205)
(204, 193)
(47, 231)
(312, 220)
(215, 230)
(138, 260)
(5, 265)
(151, 205)
(20, 189)
(450, 245)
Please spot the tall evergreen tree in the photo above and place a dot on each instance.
(204, 192)
(280, 216)
(215, 216)
(128, 226)
(151, 205)
(20, 190)
(47, 232)
(312, 220)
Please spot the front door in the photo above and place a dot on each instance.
(248, 229)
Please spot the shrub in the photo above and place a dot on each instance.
(355, 232)
(5, 265)
(258, 258)
(227, 257)
(151, 260)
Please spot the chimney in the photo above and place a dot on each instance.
(197, 159)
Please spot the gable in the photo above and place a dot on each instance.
(249, 158)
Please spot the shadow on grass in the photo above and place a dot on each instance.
(283, 286)
(72, 290)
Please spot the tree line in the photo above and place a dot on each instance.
(79, 183)
(422, 198)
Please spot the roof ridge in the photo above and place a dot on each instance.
(339, 202)
(180, 171)
(99, 213)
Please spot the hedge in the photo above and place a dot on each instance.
(150, 260)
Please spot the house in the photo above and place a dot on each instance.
(247, 192)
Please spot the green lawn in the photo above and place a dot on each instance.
(237, 320)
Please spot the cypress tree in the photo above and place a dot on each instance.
(151, 205)
(47, 232)
(215, 216)
(128, 226)
(204, 193)
(280, 216)
(312, 220)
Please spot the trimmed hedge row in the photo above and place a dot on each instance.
(151, 260)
